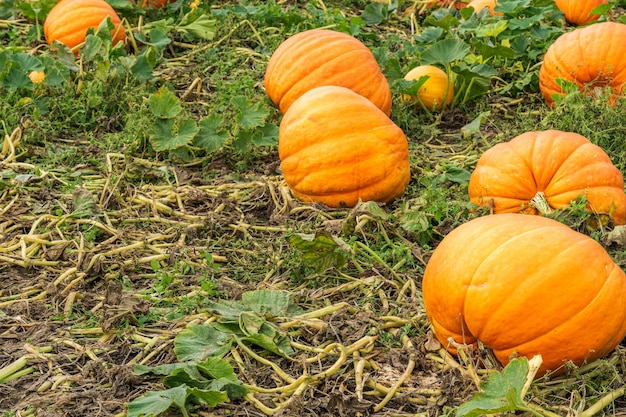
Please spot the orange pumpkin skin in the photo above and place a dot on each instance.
(561, 165)
(578, 12)
(69, 20)
(321, 57)
(593, 56)
(478, 5)
(336, 147)
(437, 91)
(526, 285)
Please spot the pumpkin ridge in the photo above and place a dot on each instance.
(495, 254)
(564, 173)
(287, 93)
(529, 336)
(362, 190)
(305, 146)
(584, 312)
(563, 165)
(307, 42)
(370, 153)
(527, 162)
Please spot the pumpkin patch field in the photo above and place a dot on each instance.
(311, 208)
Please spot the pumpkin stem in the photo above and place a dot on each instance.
(540, 203)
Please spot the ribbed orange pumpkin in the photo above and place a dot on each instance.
(578, 11)
(321, 57)
(593, 56)
(540, 171)
(337, 147)
(437, 91)
(526, 285)
(69, 20)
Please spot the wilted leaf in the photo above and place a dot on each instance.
(217, 368)
(156, 402)
(473, 127)
(250, 322)
(197, 342)
(276, 303)
(319, 251)
(84, 204)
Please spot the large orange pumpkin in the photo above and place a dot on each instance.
(69, 20)
(537, 172)
(593, 56)
(336, 147)
(526, 285)
(578, 12)
(321, 57)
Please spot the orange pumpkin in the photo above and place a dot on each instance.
(69, 20)
(437, 91)
(478, 5)
(321, 57)
(578, 12)
(592, 57)
(526, 285)
(537, 172)
(336, 147)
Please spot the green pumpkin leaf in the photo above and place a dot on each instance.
(491, 30)
(16, 78)
(443, 18)
(457, 174)
(28, 62)
(501, 393)
(203, 27)
(141, 68)
(164, 104)
(210, 138)
(250, 115)
(92, 47)
(445, 51)
(373, 14)
(166, 136)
